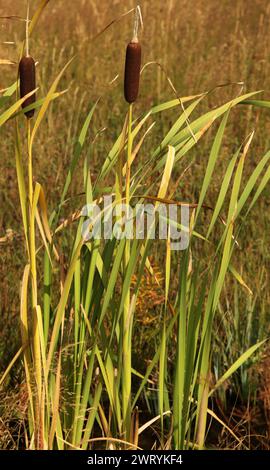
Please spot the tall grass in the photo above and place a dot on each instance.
(79, 298)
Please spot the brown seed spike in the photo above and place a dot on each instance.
(27, 71)
(132, 71)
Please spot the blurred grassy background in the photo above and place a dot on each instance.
(200, 44)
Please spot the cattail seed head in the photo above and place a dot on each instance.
(27, 71)
(132, 71)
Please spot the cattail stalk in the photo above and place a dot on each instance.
(127, 321)
(27, 31)
(27, 75)
(131, 90)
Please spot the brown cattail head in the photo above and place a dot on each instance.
(132, 71)
(27, 71)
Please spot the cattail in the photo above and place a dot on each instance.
(27, 70)
(132, 70)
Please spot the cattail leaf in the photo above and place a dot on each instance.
(38, 103)
(62, 305)
(45, 221)
(37, 14)
(153, 362)
(181, 150)
(177, 125)
(180, 363)
(167, 173)
(261, 187)
(151, 421)
(55, 402)
(237, 181)
(173, 103)
(21, 182)
(251, 182)
(112, 280)
(233, 206)
(7, 94)
(25, 335)
(47, 101)
(24, 308)
(91, 418)
(78, 150)
(11, 364)
(239, 278)
(43, 235)
(212, 160)
(137, 148)
(12, 110)
(7, 62)
(114, 152)
(223, 191)
(257, 103)
(108, 378)
(38, 313)
(202, 121)
(161, 375)
(168, 265)
(240, 361)
(226, 257)
(225, 426)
